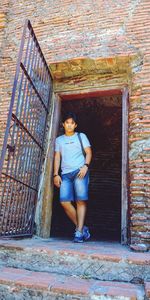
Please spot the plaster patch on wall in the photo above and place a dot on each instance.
(138, 147)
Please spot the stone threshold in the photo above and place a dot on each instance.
(109, 251)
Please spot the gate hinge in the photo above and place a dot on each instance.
(11, 150)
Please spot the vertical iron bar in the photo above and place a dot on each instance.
(13, 97)
(20, 87)
(27, 86)
(32, 149)
(11, 107)
(25, 89)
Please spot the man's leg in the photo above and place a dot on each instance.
(70, 211)
(66, 192)
(81, 212)
(81, 192)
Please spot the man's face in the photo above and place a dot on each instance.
(69, 125)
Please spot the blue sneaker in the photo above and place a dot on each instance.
(78, 237)
(86, 233)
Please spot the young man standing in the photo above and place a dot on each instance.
(74, 179)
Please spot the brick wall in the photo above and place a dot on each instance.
(93, 28)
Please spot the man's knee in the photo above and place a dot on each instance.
(65, 204)
(80, 202)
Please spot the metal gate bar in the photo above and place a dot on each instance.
(24, 138)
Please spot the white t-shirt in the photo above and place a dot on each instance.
(72, 157)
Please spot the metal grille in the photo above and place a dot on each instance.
(24, 137)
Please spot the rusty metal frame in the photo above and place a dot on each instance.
(22, 150)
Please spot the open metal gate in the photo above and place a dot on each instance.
(20, 163)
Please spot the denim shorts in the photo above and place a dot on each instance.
(73, 188)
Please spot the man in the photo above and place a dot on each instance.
(74, 179)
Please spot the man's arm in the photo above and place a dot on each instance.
(88, 158)
(57, 178)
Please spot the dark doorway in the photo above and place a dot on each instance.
(100, 118)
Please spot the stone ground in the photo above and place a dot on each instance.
(59, 269)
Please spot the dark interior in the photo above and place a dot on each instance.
(100, 118)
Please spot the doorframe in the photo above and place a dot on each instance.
(125, 169)
(81, 94)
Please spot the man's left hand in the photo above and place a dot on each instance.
(82, 172)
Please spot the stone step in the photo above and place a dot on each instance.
(97, 260)
(18, 284)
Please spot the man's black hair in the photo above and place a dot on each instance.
(69, 115)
